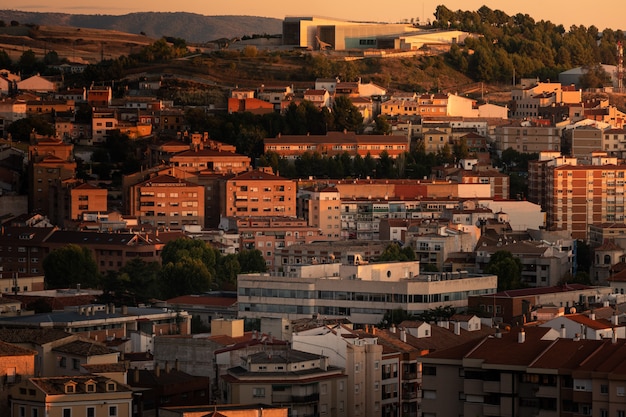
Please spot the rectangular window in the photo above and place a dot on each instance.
(91, 412)
(113, 411)
(258, 392)
(67, 412)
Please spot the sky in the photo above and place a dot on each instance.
(611, 14)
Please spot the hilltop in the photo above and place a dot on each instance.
(194, 28)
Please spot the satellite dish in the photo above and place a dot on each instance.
(572, 310)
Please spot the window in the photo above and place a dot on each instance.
(91, 412)
(113, 411)
(258, 392)
(34, 412)
(67, 412)
(22, 412)
(75, 363)
(111, 386)
(90, 387)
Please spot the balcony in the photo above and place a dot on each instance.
(410, 395)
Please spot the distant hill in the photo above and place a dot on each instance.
(194, 28)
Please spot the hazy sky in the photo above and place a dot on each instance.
(607, 13)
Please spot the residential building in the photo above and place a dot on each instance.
(614, 142)
(329, 251)
(100, 322)
(361, 357)
(22, 250)
(12, 109)
(580, 195)
(585, 141)
(516, 306)
(526, 372)
(99, 96)
(103, 122)
(270, 234)
(37, 83)
(110, 250)
(71, 198)
(304, 382)
(321, 208)
(16, 363)
(77, 395)
(49, 160)
(259, 193)
(361, 292)
(527, 137)
(544, 264)
(168, 202)
(336, 143)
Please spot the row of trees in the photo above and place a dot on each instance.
(188, 267)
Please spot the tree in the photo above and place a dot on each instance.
(186, 276)
(28, 62)
(508, 268)
(382, 125)
(71, 265)
(346, 115)
(136, 282)
(251, 261)
(21, 129)
(393, 252)
(176, 250)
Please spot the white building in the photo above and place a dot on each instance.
(358, 291)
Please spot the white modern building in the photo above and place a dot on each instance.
(358, 291)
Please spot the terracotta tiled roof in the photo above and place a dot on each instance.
(56, 385)
(8, 349)
(33, 336)
(84, 348)
(99, 368)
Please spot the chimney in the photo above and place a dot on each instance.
(176, 365)
(403, 335)
(521, 336)
(167, 367)
(457, 328)
(576, 337)
(563, 332)
(615, 319)
(592, 315)
(157, 370)
(124, 309)
(392, 329)
(498, 335)
(614, 336)
(136, 377)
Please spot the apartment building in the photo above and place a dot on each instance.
(585, 194)
(22, 249)
(361, 358)
(103, 122)
(269, 234)
(71, 198)
(321, 208)
(17, 363)
(336, 143)
(49, 160)
(585, 141)
(361, 292)
(524, 373)
(168, 202)
(527, 137)
(330, 251)
(538, 175)
(78, 395)
(304, 382)
(259, 193)
(614, 142)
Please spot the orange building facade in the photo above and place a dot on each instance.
(259, 193)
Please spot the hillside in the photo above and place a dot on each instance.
(194, 28)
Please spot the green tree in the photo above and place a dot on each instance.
(136, 282)
(346, 115)
(5, 59)
(393, 252)
(251, 261)
(176, 250)
(508, 268)
(381, 125)
(71, 265)
(21, 129)
(27, 63)
(186, 276)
